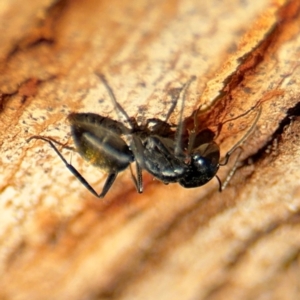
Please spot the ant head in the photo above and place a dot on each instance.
(203, 164)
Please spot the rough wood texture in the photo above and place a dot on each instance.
(57, 241)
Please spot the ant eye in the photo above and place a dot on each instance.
(210, 151)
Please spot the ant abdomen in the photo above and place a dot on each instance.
(91, 120)
(97, 140)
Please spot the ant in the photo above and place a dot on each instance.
(158, 149)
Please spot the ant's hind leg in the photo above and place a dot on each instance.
(48, 139)
(109, 181)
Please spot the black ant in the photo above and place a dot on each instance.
(159, 150)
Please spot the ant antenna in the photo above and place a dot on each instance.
(242, 140)
(223, 185)
(235, 147)
(179, 130)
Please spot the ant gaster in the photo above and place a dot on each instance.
(158, 150)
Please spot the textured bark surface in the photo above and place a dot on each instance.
(57, 241)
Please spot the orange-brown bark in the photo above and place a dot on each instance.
(58, 241)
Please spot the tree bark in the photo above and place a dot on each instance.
(58, 241)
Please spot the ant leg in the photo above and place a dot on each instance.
(242, 140)
(140, 178)
(193, 133)
(107, 185)
(162, 124)
(178, 134)
(47, 139)
(109, 181)
(174, 103)
(175, 98)
(139, 181)
(120, 110)
(138, 150)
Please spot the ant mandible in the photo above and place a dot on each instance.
(158, 150)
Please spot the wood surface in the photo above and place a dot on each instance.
(57, 241)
